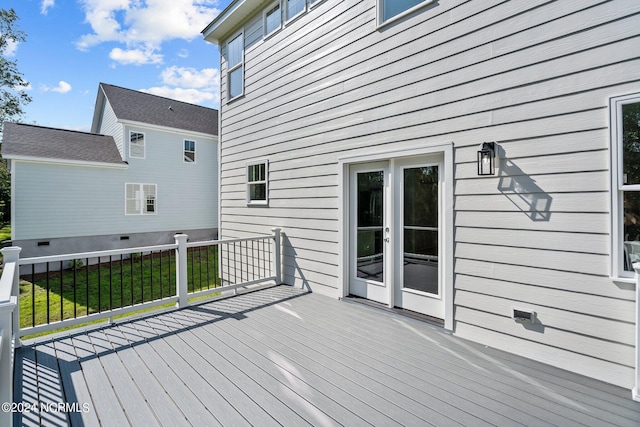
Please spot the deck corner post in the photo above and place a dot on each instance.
(636, 388)
(181, 270)
(277, 255)
(11, 254)
(9, 330)
(6, 361)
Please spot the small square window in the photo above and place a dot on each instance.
(140, 199)
(189, 151)
(257, 188)
(136, 145)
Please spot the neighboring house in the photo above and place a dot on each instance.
(356, 126)
(147, 171)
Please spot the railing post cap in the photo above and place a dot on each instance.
(276, 229)
(180, 236)
(11, 253)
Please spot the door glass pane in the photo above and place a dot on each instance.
(631, 144)
(420, 229)
(370, 233)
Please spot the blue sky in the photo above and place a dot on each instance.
(149, 45)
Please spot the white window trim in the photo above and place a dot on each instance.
(184, 151)
(288, 19)
(618, 273)
(142, 199)
(144, 145)
(235, 67)
(379, 9)
(264, 19)
(265, 182)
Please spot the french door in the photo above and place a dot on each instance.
(395, 239)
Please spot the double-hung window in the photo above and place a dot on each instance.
(389, 9)
(140, 199)
(625, 183)
(272, 18)
(235, 66)
(257, 188)
(295, 7)
(136, 145)
(189, 151)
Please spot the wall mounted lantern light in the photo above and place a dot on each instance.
(487, 159)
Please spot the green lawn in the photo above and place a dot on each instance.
(80, 291)
(5, 233)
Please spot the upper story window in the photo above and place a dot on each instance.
(136, 145)
(272, 18)
(389, 9)
(235, 66)
(295, 7)
(257, 187)
(140, 199)
(189, 151)
(625, 181)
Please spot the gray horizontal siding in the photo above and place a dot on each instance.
(534, 76)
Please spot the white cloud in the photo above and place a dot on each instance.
(144, 24)
(192, 96)
(63, 87)
(46, 5)
(189, 85)
(190, 77)
(135, 56)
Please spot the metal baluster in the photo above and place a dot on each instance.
(99, 287)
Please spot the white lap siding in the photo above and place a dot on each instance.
(534, 76)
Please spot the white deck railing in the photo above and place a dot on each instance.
(238, 263)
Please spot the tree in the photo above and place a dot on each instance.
(12, 95)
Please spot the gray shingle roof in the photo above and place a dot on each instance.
(51, 143)
(143, 107)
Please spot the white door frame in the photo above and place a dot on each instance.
(446, 150)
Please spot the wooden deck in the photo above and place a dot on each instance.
(281, 356)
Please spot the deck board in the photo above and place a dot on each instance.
(457, 361)
(282, 356)
(417, 389)
(403, 404)
(450, 366)
(74, 385)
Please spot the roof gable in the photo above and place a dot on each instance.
(136, 106)
(24, 140)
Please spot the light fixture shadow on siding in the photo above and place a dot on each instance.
(522, 190)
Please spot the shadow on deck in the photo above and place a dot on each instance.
(282, 356)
